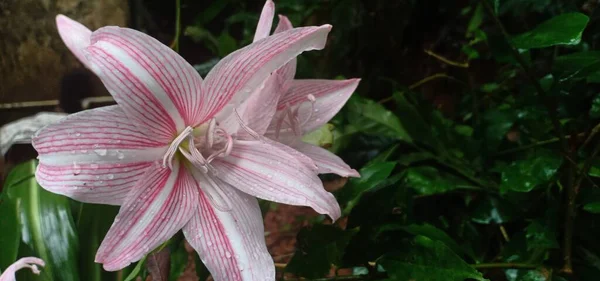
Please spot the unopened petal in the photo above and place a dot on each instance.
(75, 35)
(155, 86)
(231, 243)
(159, 206)
(94, 156)
(268, 172)
(265, 22)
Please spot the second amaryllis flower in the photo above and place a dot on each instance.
(169, 152)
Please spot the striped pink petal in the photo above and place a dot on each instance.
(94, 156)
(155, 86)
(331, 95)
(325, 160)
(28, 262)
(265, 22)
(231, 243)
(262, 105)
(159, 206)
(288, 71)
(266, 171)
(238, 75)
(75, 35)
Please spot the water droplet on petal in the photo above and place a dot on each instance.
(120, 155)
(76, 168)
(94, 166)
(101, 152)
(111, 176)
(228, 255)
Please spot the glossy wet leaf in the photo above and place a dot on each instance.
(370, 176)
(527, 174)
(11, 231)
(527, 275)
(426, 230)
(93, 222)
(46, 223)
(565, 29)
(493, 210)
(371, 117)
(317, 249)
(541, 236)
(427, 180)
(426, 259)
(595, 109)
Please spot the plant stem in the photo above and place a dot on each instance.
(175, 44)
(505, 265)
(536, 144)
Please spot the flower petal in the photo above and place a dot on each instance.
(75, 35)
(325, 160)
(268, 172)
(159, 206)
(262, 105)
(94, 156)
(155, 86)
(231, 243)
(265, 22)
(31, 262)
(331, 95)
(288, 71)
(238, 75)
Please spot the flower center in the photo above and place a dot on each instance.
(208, 139)
(291, 118)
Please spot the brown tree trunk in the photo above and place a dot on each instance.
(33, 58)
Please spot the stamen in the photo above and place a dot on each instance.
(312, 100)
(210, 132)
(245, 127)
(170, 153)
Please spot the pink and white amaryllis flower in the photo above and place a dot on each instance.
(31, 262)
(297, 107)
(175, 152)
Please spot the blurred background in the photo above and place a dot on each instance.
(475, 124)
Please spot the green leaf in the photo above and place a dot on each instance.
(524, 175)
(11, 231)
(179, 260)
(540, 236)
(93, 222)
(427, 180)
(595, 110)
(322, 137)
(426, 259)
(46, 223)
(493, 210)
(370, 176)
(426, 230)
(565, 29)
(201, 270)
(226, 44)
(317, 249)
(370, 117)
(497, 123)
(413, 121)
(527, 275)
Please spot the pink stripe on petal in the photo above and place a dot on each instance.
(231, 243)
(236, 76)
(265, 22)
(92, 183)
(155, 85)
(288, 71)
(325, 160)
(159, 206)
(75, 35)
(331, 95)
(269, 172)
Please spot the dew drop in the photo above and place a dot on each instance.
(77, 134)
(120, 155)
(111, 176)
(101, 152)
(94, 166)
(228, 255)
(76, 168)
